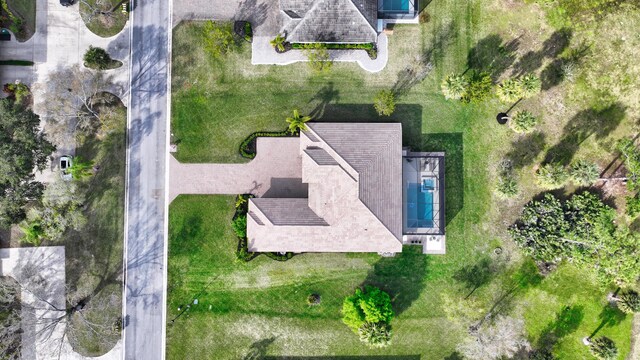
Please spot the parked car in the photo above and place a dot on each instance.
(66, 162)
(66, 2)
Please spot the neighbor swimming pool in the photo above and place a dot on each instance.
(419, 207)
(395, 5)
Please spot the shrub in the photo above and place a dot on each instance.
(314, 299)
(384, 102)
(633, 206)
(531, 85)
(629, 302)
(479, 88)
(523, 122)
(217, 38)
(377, 335)
(424, 17)
(239, 225)
(604, 348)
(247, 147)
(584, 172)
(507, 186)
(248, 32)
(279, 256)
(279, 43)
(18, 90)
(318, 56)
(97, 58)
(509, 91)
(242, 252)
(370, 305)
(454, 86)
(552, 176)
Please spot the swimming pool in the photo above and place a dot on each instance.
(395, 5)
(419, 207)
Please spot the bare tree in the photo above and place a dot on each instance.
(71, 97)
(99, 9)
(503, 339)
(10, 328)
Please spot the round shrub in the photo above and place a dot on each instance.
(97, 58)
(385, 103)
(314, 299)
(370, 305)
(507, 187)
(454, 87)
(552, 176)
(530, 85)
(629, 302)
(376, 335)
(604, 348)
(523, 122)
(509, 91)
(584, 172)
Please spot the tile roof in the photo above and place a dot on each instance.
(333, 21)
(288, 211)
(320, 156)
(374, 151)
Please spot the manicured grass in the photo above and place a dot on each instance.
(26, 11)
(259, 308)
(94, 255)
(102, 25)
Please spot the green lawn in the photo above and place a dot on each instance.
(25, 10)
(259, 308)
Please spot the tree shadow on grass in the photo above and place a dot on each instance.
(586, 123)
(476, 275)
(258, 349)
(325, 96)
(609, 316)
(402, 276)
(551, 48)
(492, 55)
(566, 322)
(525, 149)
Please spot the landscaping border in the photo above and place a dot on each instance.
(248, 146)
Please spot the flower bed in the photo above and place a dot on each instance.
(370, 48)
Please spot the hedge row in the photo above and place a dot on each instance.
(248, 146)
(363, 46)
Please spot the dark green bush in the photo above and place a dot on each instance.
(239, 225)
(247, 147)
(98, 58)
(278, 256)
(633, 206)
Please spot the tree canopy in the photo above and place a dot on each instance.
(368, 313)
(23, 149)
(582, 231)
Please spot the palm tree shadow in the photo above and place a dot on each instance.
(258, 350)
(609, 316)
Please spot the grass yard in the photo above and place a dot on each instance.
(104, 25)
(25, 10)
(94, 255)
(255, 309)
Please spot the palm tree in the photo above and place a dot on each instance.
(454, 87)
(629, 302)
(604, 348)
(523, 122)
(297, 122)
(510, 90)
(278, 43)
(531, 85)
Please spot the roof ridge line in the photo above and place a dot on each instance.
(364, 17)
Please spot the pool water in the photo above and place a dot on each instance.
(419, 207)
(395, 5)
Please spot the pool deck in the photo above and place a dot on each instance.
(417, 167)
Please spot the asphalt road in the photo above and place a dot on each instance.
(146, 216)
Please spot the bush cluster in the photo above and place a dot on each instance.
(555, 175)
(511, 90)
(368, 313)
(384, 102)
(99, 58)
(507, 186)
(469, 89)
(633, 206)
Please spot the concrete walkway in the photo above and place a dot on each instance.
(40, 271)
(262, 53)
(276, 171)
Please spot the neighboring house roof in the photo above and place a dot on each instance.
(332, 21)
(354, 204)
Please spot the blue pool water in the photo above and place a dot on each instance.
(395, 5)
(419, 206)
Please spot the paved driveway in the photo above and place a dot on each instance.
(276, 171)
(263, 14)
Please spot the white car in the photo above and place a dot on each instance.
(65, 163)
